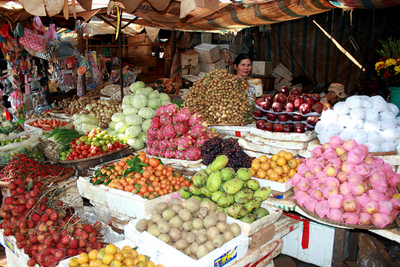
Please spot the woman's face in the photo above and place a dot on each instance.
(244, 68)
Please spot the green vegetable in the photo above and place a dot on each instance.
(135, 86)
(132, 131)
(163, 97)
(134, 119)
(146, 113)
(139, 101)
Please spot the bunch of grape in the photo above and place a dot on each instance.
(228, 147)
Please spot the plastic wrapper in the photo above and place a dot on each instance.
(360, 136)
(356, 124)
(380, 104)
(391, 134)
(372, 253)
(375, 138)
(87, 119)
(357, 113)
(388, 123)
(319, 127)
(387, 115)
(329, 115)
(372, 125)
(372, 147)
(26, 134)
(341, 108)
(84, 128)
(28, 147)
(324, 137)
(366, 104)
(64, 49)
(346, 134)
(344, 120)
(334, 128)
(388, 146)
(393, 108)
(371, 114)
(354, 101)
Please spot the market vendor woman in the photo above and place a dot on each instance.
(243, 66)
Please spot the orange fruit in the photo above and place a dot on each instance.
(150, 264)
(115, 263)
(73, 262)
(253, 172)
(93, 254)
(134, 253)
(126, 248)
(110, 249)
(256, 160)
(255, 165)
(293, 163)
(264, 166)
(288, 155)
(96, 263)
(263, 158)
(278, 170)
(281, 153)
(281, 161)
(83, 258)
(291, 173)
(285, 178)
(274, 157)
(286, 168)
(101, 254)
(273, 176)
(128, 261)
(299, 161)
(261, 174)
(272, 164)
(280, 180)
(118, 256)
(269, 171)
(142, 257)
(108, 258)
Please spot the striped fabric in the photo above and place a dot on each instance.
(305, 50)
(365, 4)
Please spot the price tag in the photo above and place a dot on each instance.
(238, 134)
(226, 258)
(9, 244)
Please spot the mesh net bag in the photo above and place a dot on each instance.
(372, 125)
(371, 114)
(386, 115)
(375, 138)
(380, 104)
(344, 120)
(388, 146)
(356, 124)
(390, 134)
(388, 123)
(346, 134)
(329, 115)
(372, 147)
(334, 128)
(393, 108)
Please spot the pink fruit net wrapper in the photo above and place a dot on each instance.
(16, 99)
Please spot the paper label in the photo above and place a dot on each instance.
(226, 258)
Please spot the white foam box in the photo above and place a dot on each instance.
(258, 68)
(118, 201)
(206, 37)
(307, 136)
(189, 59)
(191, 71)
(320, 248)
(160, 251)
(277, 143)
(251, 228)
(258, 86)
(15, 256)
(235, 48)
(208, 53)
(235, 131)
(276, 186)
(261, 257)
(209, 67)
(120, 245)
(266, 149)
(283, 72)
(280, 81)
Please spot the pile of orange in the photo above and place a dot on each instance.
(155, 179)
(112, 256)
(279, 168)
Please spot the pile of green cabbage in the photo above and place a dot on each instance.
(138, 109)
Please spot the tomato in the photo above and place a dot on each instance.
(75, 158)
(85, 152)
(72, 143)
(81, 157)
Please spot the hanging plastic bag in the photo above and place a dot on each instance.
(33, 41)
(64, 49)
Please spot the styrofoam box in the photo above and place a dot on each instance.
(189, 59)
(320, 248)
(258, 68)
(276, 186)
(208, 53)
(160, 251)
(280, 81)
(206, 37)
(266, 149)
(124, 203)
(191, 70)
(258, 86)
(237, 131)
(250, 228)
(209, 67)
(307, 136)
(282, 71)
(120, 245)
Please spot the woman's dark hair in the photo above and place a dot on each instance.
(240, 57)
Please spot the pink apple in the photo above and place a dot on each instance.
(350, 205)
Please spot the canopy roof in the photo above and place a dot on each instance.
(185, 15)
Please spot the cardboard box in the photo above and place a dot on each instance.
(159, 251)
(139, 50)
(139, 39)
(208, 67)
(206, 38)
(283, 72)
(258, 68)
(280, 81)
(208, 53)
(191, 71)
(189, 59)
(258, 85)
(320, 247)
